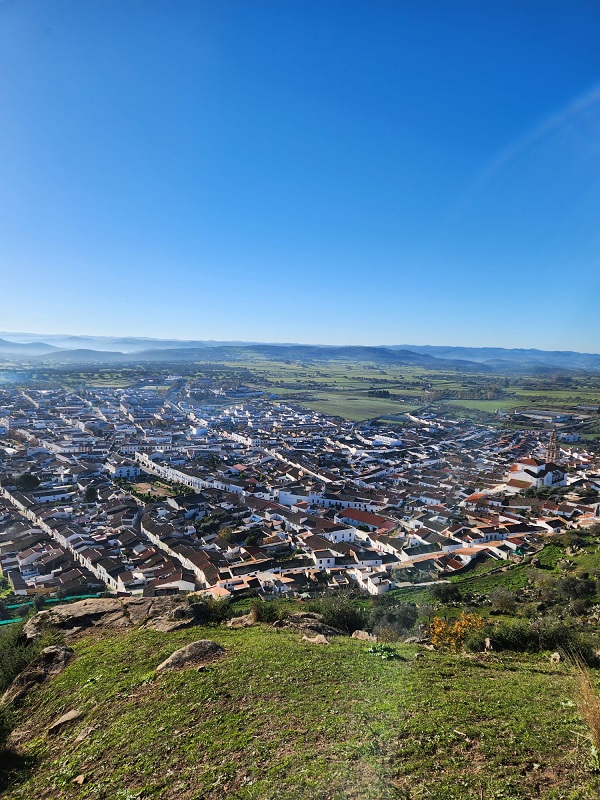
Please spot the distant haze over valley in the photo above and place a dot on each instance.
(63, 349)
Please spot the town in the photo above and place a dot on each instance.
(204, 487)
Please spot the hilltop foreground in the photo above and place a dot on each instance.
(277, 717)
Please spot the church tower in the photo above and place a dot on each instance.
(552, 449)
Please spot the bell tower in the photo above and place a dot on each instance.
(552, 449)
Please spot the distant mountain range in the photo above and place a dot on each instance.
(65, 349)
(251, 353)
(26, 349)
(501, 357)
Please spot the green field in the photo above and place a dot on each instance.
(279, 719)
(341, 388)
(490, 406)
(353, 407)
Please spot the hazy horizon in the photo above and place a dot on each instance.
(27, 337)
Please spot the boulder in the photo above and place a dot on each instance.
(364, 636)
(63, 721)
(245, 621)
(83, 734)
(318, 639)
(309, 623)
(170, 616)
(163, 614)
(415, 640)
(46, 664)
(191, 655)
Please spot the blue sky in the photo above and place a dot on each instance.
(359, 172)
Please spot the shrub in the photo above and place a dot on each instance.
(533, 636)
(254, 538)
(338, 612)
(39, 601)
(570, 587)
(6, 724)
(503, 600)
(517, 635)
(269, 610)
(445, 593)
(391, 622)
(210, 610)
(388, 633)
(16, 652)
(452, 635)
(579, 606)
(383, 651)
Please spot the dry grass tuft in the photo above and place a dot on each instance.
(588, 702)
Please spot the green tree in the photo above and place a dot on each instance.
(445, 592)
(26, 482)
(90, 494)
(39, 601)
(503, 600)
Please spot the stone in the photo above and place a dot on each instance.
(364, 636)
(191, 655)
(555, 658)
(51, 661)
(318, 639)
(83, 734)
(64, 720)
(245, 621)
(309, 623)
(163, 614)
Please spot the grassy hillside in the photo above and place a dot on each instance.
(278, 718)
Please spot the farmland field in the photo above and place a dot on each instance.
(362, 390)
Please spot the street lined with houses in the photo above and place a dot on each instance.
(149, 491)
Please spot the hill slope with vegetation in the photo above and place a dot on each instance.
(278, 717)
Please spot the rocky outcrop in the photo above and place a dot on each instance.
(245, 621)
(48, 663)
(318, 639)
(65, 720)
(164, 614)
(191, 655)
(307, 623)
(364, 636)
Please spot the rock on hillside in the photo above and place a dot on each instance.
(308, 623)
(48, 663)
(159, 613)
(192, 654)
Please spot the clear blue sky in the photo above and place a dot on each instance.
(357, 171)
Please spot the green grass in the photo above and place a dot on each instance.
(277, 718)
(482, 578)
(508, 577)
(355, 407)
(485, 576)
(486, 405)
